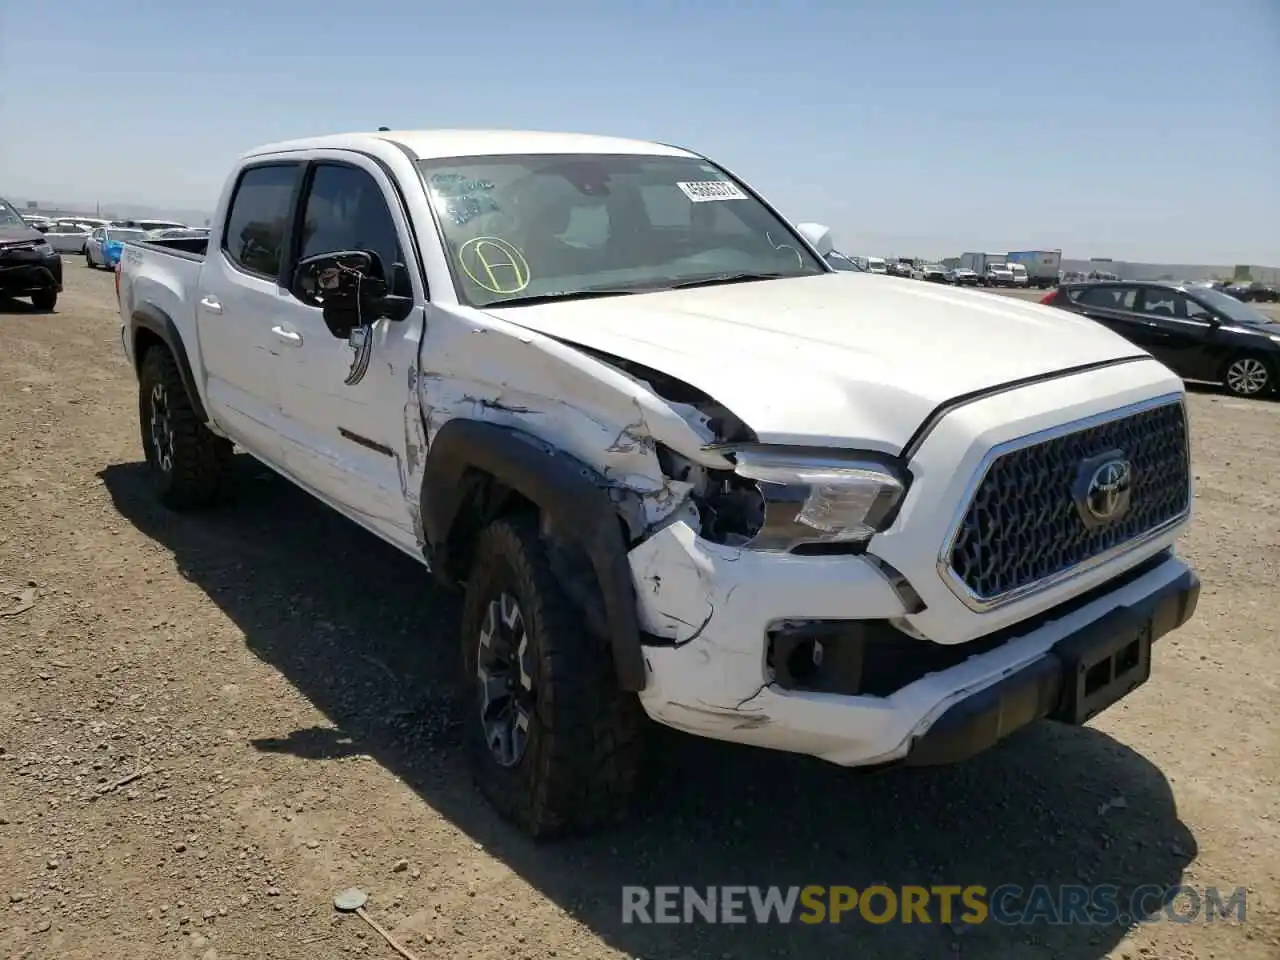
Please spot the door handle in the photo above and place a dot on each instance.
(291, 337)
(211, 304)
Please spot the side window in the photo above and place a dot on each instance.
(1111, 298)
(1162, 302)
(1197, 312)
(346, 210)
(259, 218)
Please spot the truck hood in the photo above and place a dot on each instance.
(835, 359)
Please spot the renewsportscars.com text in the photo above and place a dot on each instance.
(1008, 904)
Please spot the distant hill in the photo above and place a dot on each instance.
(114, 211)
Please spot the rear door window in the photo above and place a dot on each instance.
(1108, 297)
(258, 220)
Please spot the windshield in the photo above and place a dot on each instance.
(523, 226)
(1230, 307)
(9, 217)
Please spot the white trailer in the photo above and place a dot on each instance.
(1042, 266)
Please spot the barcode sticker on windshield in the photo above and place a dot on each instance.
(700, 191)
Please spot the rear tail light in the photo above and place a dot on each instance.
(1047, 299)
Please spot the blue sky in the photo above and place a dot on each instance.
(1134, 129)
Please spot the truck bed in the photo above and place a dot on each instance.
(190, 248)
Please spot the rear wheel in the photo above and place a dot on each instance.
(554, 743)
(1248, 375)
(88, 260)
(44, 299)
(188, 462)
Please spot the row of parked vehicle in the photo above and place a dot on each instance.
(1202, 330)
(996, 275)
(100, 241)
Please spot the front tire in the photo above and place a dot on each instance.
(44, 300)
(1249, 375)
(188, 462)
(554, 743)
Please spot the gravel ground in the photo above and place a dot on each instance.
(208, 725)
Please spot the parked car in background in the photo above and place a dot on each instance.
(1254, 292)
(1019, 273)
(105, 244)
(29, 266)
(146, 224)
(934, 273)
(997, 275)
(901, 268)
(964, 277)
(35, 221)
(68, 236)
(877, 265)
(1199, 333)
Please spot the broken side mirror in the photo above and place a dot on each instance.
(350, 288)
(819, 236)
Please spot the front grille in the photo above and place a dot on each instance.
(1023, 527)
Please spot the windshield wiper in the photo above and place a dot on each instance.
(563, 295)
(721, 278)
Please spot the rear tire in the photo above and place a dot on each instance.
(44, 299)
(1249, 375)
(88, 260)
(554, 743)
(188, 462)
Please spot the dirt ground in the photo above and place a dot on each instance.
(209, 725)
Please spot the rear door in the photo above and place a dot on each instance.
(1116, 307)
(241, 298)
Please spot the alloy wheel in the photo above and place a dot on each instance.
(161, 428)
(504, 673)
(1247, 376)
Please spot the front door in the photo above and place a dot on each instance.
(1183, 333)
(346, 407)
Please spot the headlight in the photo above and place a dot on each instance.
(44, 249)
(818, 498)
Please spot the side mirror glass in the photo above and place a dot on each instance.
(819, 237)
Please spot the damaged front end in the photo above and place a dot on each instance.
(806, 501)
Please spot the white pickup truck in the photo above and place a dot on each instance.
(680, 465)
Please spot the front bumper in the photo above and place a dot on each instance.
(1049, 668)
(1080, 676)
(27, 274)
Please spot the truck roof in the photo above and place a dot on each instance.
(435, 144)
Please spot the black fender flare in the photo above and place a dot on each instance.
(161, 324)
(572, 494)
